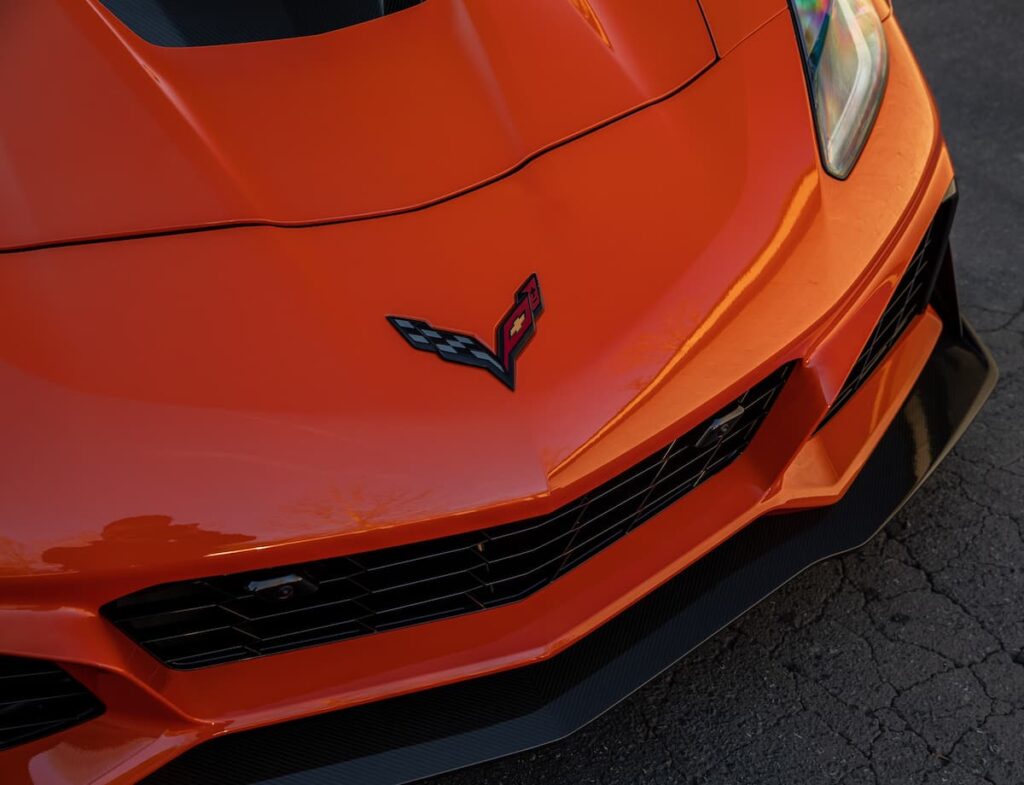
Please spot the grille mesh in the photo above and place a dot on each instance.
(214, 620)
(37, 699)
(910, 299)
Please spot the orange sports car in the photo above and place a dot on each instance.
(391, 385)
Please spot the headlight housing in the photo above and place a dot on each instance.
(847, 67)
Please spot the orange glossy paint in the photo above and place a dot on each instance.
(376, 118)
(730, 22)
(198, 403)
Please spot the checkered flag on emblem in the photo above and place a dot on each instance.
(512, 334)
(451, 346)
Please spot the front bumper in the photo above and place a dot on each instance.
(818, 250)
(427, 733)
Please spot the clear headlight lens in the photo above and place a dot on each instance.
(848, 65)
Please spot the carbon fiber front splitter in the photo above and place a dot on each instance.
(427, 733)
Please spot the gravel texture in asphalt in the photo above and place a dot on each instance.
(904, 662)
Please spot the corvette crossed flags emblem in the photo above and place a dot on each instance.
(511, 335)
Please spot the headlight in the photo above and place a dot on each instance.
(847, 66)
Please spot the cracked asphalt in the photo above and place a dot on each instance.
(904, 662)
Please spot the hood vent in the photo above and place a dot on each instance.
(211, 22)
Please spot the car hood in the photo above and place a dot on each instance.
(112, 135)
(204, 402)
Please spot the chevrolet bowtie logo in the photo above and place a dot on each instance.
(512, 334)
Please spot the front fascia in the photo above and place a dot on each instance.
(651, 163)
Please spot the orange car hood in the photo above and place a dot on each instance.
(209, 401)
(112, 135)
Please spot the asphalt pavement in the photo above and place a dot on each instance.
(904, 662)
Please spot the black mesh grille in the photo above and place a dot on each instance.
(37, 699)
(210, 22)
(910, 299)
(202, 622)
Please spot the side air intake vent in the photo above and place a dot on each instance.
(911, 297)
(209, 22)
(37, 699)
(235, 617)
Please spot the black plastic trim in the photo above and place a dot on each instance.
(427, 733)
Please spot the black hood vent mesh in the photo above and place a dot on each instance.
(210, 22)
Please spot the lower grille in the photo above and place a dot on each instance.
(37, 699)
(912, 295)
(221, 619)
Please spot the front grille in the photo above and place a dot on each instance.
(912, 295)
(37, 699)
(221, 619)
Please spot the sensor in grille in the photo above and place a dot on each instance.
(912, 295)
(37, 699)
(222, 619)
